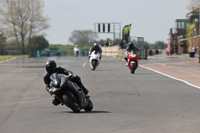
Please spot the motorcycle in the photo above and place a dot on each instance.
(76, 50)
(94, 60)
(132, 61)
(75, 99)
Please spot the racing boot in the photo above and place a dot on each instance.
(85, 90)
(77, 80)
(125, 58)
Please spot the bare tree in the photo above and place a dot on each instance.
(22, 19)
(193, 5)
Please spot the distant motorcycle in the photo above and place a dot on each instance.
(132, 61)
(94, 60)
(74, 99)
(76, 50)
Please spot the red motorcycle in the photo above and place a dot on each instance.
(133, 61)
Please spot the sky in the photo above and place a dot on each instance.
(151, 19)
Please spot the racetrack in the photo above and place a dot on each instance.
(145, 102)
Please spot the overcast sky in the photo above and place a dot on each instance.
(150, 19)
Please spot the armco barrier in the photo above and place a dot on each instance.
(84, 52)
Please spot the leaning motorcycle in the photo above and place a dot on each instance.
(74, 98)
(94, 60)
(132, 61)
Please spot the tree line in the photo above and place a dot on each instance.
(21, 23)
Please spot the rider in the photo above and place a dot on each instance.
(128, 49)
(95, 47)
(51, 68)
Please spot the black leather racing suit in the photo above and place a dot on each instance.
(74, 78)
(96, 48)
(130, 48)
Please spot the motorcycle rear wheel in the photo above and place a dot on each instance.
(89, 107)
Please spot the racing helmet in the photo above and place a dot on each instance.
(95, 44)
(51, 66)
(131, 44)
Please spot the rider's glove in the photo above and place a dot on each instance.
(48, 89)
(70, 75)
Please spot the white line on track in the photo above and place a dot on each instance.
(195, 86)
(8, 60)
(171, 77)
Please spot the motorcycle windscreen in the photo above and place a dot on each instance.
(55, 80)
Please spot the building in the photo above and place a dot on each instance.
(178, 39)
(193, 16)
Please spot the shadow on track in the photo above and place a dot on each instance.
(91, 112)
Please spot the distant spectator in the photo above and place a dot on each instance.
(107, 44)
(121, 45)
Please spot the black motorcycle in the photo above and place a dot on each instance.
(74, 98)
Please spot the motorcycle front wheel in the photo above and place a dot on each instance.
(94, 64)
(72, 102)
(132, 67)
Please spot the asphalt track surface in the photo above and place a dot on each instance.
(145, 102)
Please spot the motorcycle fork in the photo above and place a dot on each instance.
(58, 97)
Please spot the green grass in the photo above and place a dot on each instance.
(5, 57)
(119, 57)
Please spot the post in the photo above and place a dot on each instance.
(145, 54)
(199, 56)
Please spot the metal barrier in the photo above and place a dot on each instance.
(84, 52)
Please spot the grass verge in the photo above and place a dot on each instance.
(6, 57)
